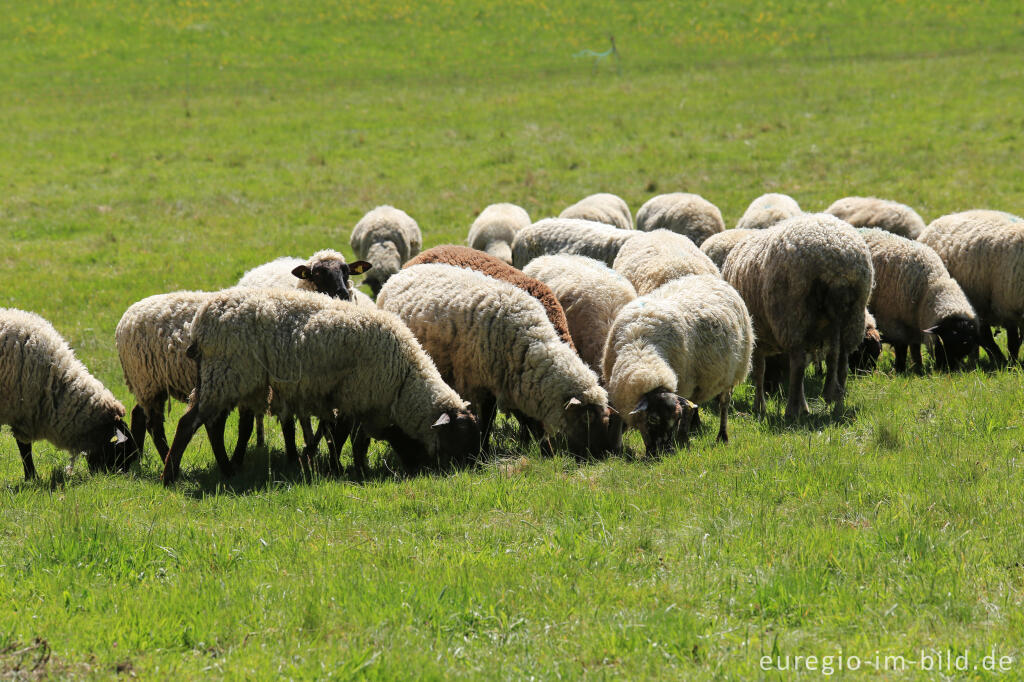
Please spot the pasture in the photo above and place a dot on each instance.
(149, 147)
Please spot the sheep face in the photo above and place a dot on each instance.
(864, 358)
(114, 448)
(663, 418)
(954, 339)
(458, 437)
(587, 430)
(331, 277)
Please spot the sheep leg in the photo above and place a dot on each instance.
(915, 355)
(156, 430)
(360, 447)
(723, 416)
(138, 429)
(488, 409)
(797, 403)
(26, 459)
(215, 432)
(900, 349)
(187, 427)
(310, 439)
(989, 344)
(245, 423)
(1013, 334)
(288, 430)
(261, 439)
(842, 367)
(757, 369)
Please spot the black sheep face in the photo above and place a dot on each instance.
(957, 338)
(587, 431)
(115, 449)
(864, 357)
(331, 277)
(662, 419)
(458, 436)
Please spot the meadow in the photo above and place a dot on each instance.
(149, 147)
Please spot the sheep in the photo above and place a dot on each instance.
(887, 215)
(591, 293)
(317, 355)
(654, 258)
(571, 236)
(602, 208)
(387, 237)
(47, 393)
(690, 215)
(684, 343)
(463, 257)
(915, 298)
(495, 228)
(494, 343)
(806, 283)
(767, 210)
(717, 246)
(984, 253)
(325, 271)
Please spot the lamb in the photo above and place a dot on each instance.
(984, 253)
(602, 208)
(387, 237)
(690, 215)
(463, 257)
(767, 210)
(718, 246)
(317, 355)
(654, 258)
(915, 298)
(591, 294)
(325, 271)
(47, 393)
(495, 228)
(571, 236)
(684, 343)
(806, 283)
(494, 343)
(886, 215)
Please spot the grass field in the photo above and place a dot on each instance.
(147, 147)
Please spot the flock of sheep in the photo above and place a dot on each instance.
(580, 326)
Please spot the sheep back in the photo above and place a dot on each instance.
(687, 214)
(767, 210)
(653, 258)
(570, 236)
(609, 209)
(386, 237)
(890, 216)
(495, 228)
(718, 246)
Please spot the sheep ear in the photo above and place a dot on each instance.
(359, 267)
(120, 435)
(573, 402)
(301, 271)
(931, 330)
(640, 407)
(443, 420)
(691, 405)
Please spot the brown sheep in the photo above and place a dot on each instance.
(471, 259)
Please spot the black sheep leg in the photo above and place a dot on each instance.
(26, 460)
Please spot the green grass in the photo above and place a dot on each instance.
(147, 147)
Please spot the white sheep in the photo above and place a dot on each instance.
(495, 344)
(495, 228)
(718, 246)
(984, 253)
(570, 236)
(682, 344)
(316, 355)
(609, 209)
(886, 215)
(767, 210)
(690, 215)
(591, 294)
(325, 271)
(386, 237)
(47, 393)
(653, 258)
(806, 283)
(914, 298)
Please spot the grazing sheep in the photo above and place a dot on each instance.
(317, 355)
(47, 393)
(690, 215)
(570, 236)
(654, 258)
(325, 271)
(495, 344)
(767, 210)
(387, 237)
(984, 253)
(915, 298)
(496, 227)
(463, 257)
(717, 246)
(684, 343)
(601, 208)
(591, 293)
(886, 215)
(806, 283)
